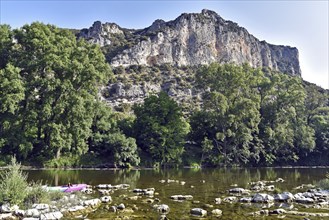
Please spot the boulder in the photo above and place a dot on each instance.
(230, 199)
(106, 199)
(163, 209)
(35, 213)
(76, 208)
(92, 202)
(218, 201)
(41, 206)
(304, 200)
(6, 208)
(277, 212)
(262, 198)
(51, 216)
(121, 206)
(284, 197)
(198, 212)
(239, 191)
(217, 212)
(245, 199)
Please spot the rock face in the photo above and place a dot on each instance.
(191, 40)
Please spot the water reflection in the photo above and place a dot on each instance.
(213, 179)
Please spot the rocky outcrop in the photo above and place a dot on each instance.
(191, 40)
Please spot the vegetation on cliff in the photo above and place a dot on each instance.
(51, 113)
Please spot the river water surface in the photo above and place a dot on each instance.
(203, 184)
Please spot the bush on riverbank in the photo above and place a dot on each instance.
(13, 184)
(15, 190)
(324, 183)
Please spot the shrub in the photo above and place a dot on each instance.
(13, 184)
(324, 183)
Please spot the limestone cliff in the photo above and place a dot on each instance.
(190, 40)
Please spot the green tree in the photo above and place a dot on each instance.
(317, 114)
(283, 128)
(108, 142)
(231, 109)
(160, 129)
(61, 78)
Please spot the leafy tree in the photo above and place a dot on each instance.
(283, 128)
(231, 110)
(317, 114)
(61, 80)
(160, 129)
(108, 142)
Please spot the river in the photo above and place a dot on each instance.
(203, 184)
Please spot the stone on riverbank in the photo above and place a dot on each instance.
(284, 197)
(181, 197)
(198, 212)
(51, 216)
(162, 209)
(262, 198)
(217, 212)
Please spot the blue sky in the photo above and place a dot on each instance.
(302, 24)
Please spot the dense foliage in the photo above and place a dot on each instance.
(51, 112)
(160, 129)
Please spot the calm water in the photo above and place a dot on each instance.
(207, 184)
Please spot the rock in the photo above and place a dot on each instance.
(192, 40)
(87, 191)
(163, 209)
(284, 197)
(230, 199)
(106, 199)
(163, 217)
(162, 181)
(113, 209)
(195, 201)
(76, 208)
(260, 213)
(218, 201)
(7, 216)
(103, 186)
(92, 202)
(308, 214)
(181, 197)
(198, 212)
(19, 213)
(40, 206)
(277, 212)
(269, 188)
(182, 183)
(217, 212)
(51, 216)
(6, 208)
(304, 200)
(239, 191)
(245, 199)
(262, 198)
(104, 191)
(134, 197)
(279, 180)
(121, 206)
(35, 213)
